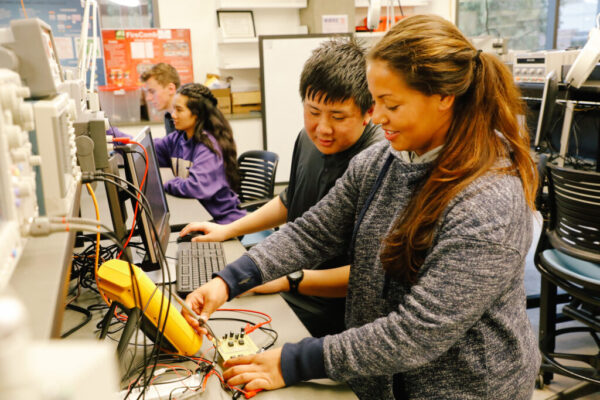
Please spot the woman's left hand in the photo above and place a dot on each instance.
(257, 371)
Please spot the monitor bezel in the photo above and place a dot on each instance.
(549, 97)
(144, 222)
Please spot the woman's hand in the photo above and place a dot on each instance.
(204, 301)
(257, 371)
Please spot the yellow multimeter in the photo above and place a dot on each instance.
(115, 281)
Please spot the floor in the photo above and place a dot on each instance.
(574, 342)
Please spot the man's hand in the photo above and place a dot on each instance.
(212, 232)
(204, 301)
(257, 371)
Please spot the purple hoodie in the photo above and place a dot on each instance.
(199, 173)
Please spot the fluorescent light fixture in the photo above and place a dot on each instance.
(127, 3)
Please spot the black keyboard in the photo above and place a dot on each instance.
(196, 262)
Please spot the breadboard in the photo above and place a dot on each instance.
(235, 345)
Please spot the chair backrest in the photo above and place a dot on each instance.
(540, 197)
(574, 226)
(257, 174)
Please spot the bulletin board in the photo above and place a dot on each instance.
(64, 17)
(130, 52)
(281, 60)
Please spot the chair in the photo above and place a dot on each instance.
(257, 173)
(257, 178)
(541, 204)
(568, 258)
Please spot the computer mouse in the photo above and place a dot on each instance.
(188, 237)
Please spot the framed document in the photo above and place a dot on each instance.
(236, 24)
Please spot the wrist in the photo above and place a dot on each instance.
(232, 230)
(222, 286)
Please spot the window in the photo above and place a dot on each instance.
(126, 14)
(575, 19)
(530, 24)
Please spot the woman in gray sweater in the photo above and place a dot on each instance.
(437, 222)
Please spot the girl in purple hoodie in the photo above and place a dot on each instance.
(202, 154)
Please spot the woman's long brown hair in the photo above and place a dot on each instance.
(203, 104)
(432, 56)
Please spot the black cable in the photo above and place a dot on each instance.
(159, 334)
(400, 7)
(88, 318)
(134, 284)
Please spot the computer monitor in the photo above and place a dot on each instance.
(135, 164)
(549, 96)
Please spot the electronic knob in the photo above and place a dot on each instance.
(24, 187)
(14, 136)
(19, 155)
(24, 116)
(23, 92)
(8, 97)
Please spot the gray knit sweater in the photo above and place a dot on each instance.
(461, 332)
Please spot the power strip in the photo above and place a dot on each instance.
(235, 345)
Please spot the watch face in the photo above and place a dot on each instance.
(296, 275)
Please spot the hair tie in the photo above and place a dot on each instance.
(476, 58)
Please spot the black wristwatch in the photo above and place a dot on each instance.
(294, 279)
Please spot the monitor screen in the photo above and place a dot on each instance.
(135, 164)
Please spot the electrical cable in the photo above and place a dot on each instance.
(88, 318)
(24, 11)
(275, 335)
(400, 7)
(127, 141)
(84, 225)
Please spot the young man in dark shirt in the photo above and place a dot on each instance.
(337, 108)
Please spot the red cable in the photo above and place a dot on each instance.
(248, 328)
(127, 141)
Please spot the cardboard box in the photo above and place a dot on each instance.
(224, 104)
(246, 108)
(241, 98)
(223, 97)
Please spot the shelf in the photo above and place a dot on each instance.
(222, 40)
(254, 4)
(298, 30)
(369, 34)
(404, 3)
(239, 66)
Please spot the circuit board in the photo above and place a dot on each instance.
(235, 345)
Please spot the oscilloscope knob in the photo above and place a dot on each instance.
(24, 115)
(24, 187)
(8, 97)
(14, 136)
(20, 155)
